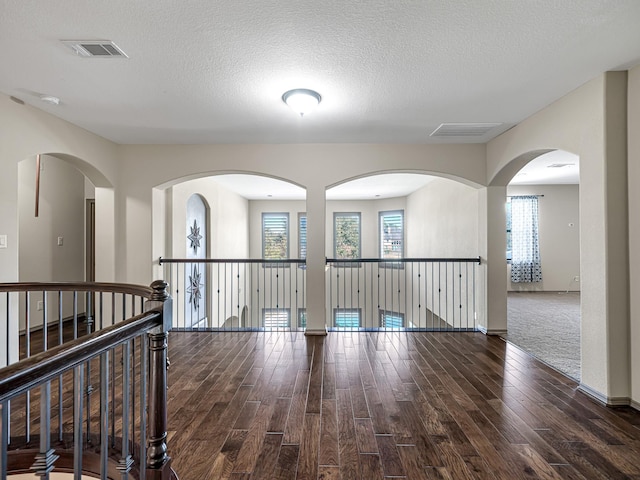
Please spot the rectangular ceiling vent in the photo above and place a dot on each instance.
(447, 130)
(95, 48)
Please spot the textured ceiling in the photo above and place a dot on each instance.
(388, 71)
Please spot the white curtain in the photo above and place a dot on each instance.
(525, 251)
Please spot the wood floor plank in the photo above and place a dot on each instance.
(347, 437)
(391, 463)
(309, 448)
(371, 467)
(266, 463)
(287, 465)
(329, 446)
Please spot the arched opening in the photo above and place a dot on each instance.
(542, 228)
(242, 275)
(57, 236)
(411, 231)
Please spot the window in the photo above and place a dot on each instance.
(346, 235)
(302, 318)
(389, 319)
(525, 250)
(276, 318)
(302, 235)
(346, 317)
(391, 234)
(275, 236)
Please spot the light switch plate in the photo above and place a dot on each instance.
(3, 241)
(60, 241)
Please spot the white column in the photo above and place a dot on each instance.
(494, 262)
(316, 259)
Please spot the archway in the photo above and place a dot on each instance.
(245, 212)
(53, 246)
(412, 231)
(543, 310)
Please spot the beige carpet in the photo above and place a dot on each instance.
(547, 325)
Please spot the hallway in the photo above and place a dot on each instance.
(279, 405)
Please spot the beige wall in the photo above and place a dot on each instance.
(634, 228)
(26, 131)
(228, 228)
(575, 123)
(442, 220)
(61, 214)
(559, 237)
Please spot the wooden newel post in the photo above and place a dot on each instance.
(158, 462)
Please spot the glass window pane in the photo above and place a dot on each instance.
(302, 236)
(391, 238)
(346, 317)
(346, 235)
(275, 236)
(276, 318)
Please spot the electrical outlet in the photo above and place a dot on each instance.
(40, 305)
(576, 278)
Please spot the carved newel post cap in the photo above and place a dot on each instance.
(159, 291)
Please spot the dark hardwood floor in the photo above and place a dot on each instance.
(276, 405)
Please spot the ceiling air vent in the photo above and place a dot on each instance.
(95, 48)
(446, 130)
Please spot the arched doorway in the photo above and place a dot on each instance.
(397, 244)
(543, 218)
(251, 220)
(543, 310)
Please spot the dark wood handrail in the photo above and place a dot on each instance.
(140, 290)
(30, 372)
(230, 260)
(477, 260)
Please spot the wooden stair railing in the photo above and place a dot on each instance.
(122, 437)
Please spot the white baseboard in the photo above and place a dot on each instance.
(315, 332)
(604, 399)
(634, 404)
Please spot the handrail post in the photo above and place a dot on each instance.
(157, 461)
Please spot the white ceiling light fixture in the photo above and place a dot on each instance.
(302, 100)
(50, 99)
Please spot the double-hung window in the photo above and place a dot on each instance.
(275, 236)
(346, 235)
(346, 317)
(389, 319)
(302, 236)
(273, 318)
(391, 235)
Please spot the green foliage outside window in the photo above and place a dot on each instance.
(347, 235)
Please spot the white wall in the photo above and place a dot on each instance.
(559, 240)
